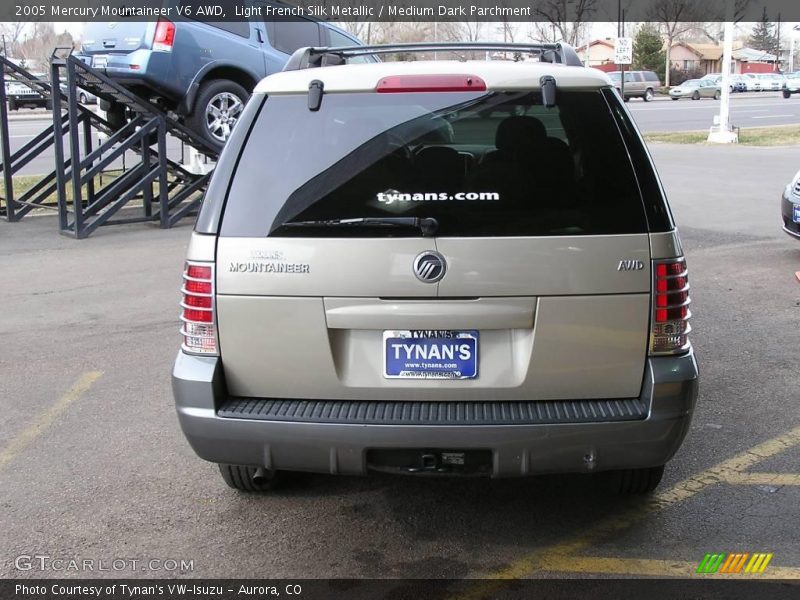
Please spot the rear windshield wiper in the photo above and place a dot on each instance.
(427, 225)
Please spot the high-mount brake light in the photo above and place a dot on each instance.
(164, 37)
(431, 83)
(670, 329)
(199, 323)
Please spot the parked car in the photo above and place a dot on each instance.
(84, 96)
(203, 70)
(638, 84)
(752, 82)
(790, 207)
(791, 85)
(362, 282)
(19, 95)
(696, 89)
(739, 83)
(735, 82)
(771, 82)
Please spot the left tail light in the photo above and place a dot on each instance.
(670, 319)
(199, 318)
(164, 36)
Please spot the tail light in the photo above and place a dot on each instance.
(199, 321)
(164, 37)
(670, 330)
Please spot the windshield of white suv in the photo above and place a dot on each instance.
(498, 164)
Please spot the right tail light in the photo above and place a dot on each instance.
(670, 329)
(199, 323)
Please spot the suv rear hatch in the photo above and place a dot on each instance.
(115, 38)
(541, 249)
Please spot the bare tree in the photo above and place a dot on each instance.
(38, 44)
(677, 18)
(12, 35)
(563, 20)
(463, 31)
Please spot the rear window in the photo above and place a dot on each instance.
(497, 164)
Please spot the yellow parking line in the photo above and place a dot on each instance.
(763, 479)
(44, 420)
(652, 568)
(681, 491)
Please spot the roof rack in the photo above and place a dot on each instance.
(306, 58)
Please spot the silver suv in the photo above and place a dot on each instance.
(445, 267)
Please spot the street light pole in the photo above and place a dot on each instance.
(722, 132)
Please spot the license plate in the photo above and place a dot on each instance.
(100, 62)
(796, 213)
(423, 354)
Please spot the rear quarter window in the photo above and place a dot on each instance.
(497, 164)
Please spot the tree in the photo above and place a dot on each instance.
(764, 36)
(648, 50)
(677, 17)
(11, 36)
(564, 19)
(37, 47)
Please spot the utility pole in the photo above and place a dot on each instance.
(722, 132)
(778, 50)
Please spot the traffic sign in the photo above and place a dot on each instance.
(623, 51)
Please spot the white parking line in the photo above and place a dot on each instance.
(771, 116)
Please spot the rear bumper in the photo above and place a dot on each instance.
(787, 208)
(669, 393)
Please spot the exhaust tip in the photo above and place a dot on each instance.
(260, 476)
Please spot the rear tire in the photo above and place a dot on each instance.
(717, 95)
(115, 115)
(220, 97)
(240, 477)
(648, 95)
(787, 94)
(82, 98)
(675, 98)
(12, 104)
(639, 481)
(696, 96)
(48, 104)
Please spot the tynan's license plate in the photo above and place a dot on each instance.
(100, 62)
(796, 213)
(426, 354)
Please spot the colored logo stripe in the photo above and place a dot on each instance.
(733, 563)
(758, 563)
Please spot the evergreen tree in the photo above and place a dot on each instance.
(764, 36)
(648, 50)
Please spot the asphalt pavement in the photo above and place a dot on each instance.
(747, 110)
(93, 464)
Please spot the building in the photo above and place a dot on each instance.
(598, 54)
(706, 58)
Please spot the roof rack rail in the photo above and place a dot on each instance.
(306, 58)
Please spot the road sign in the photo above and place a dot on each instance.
(623, 51)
